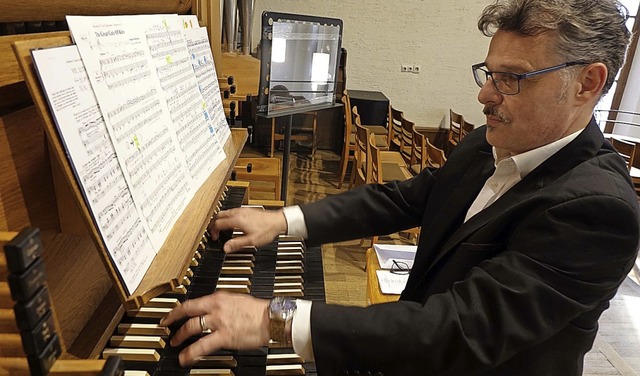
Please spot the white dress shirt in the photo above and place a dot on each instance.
(509, 171)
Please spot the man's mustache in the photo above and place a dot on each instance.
(493, 111)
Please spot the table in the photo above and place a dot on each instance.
(373, 106)
(374, 295)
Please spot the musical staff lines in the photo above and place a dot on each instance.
(207, 79)
(191, 122)
(93, 157)
(141, 134)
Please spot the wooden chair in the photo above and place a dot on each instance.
(466, 128)
(349, 141)
(383, 172)
(626, 149)
(630, 152)
(435, 157)
(379, 130)
(406, 140)
(395, 128)
(418, 152)
(304, 132)
(382, 141)
(634, 168)
(455, 129)
(360, 172)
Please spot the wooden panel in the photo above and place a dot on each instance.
(55, 10)
(26, 187)
(9, 71)
(78, 284)
(245, 70)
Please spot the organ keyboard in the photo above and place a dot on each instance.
(144, 345)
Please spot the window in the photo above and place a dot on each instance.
(612, 111)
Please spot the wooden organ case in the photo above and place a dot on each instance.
(38, 189)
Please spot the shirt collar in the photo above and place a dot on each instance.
(529, 160)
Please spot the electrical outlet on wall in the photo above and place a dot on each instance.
(410, 68)
(404, 68)
(416, 69)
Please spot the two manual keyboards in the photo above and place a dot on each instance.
(284, 268)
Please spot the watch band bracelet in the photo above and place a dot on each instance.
(281, 310)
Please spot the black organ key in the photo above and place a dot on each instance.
(34, 341)
(41, 364)
(23, 250)
(29, 313)
(24, 285)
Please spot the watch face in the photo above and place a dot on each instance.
(282, 306)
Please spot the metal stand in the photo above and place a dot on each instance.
(285, 156)
(287, 142)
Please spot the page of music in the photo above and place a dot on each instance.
(137, 105)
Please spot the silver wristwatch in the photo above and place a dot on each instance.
(281, 311)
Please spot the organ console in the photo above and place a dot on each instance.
(94, 317)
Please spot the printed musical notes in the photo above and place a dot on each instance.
(196, 136)
(93, 158)
(205, 72)
(128, 101)
(119, 63)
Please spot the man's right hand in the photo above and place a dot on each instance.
(259, 226)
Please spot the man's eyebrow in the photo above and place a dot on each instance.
(510, 67)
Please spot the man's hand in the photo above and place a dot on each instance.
(260, 227)
(236, 321)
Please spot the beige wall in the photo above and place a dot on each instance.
(440, 36)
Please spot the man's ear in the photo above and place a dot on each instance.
(591, 80)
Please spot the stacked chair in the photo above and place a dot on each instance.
(361, 171)
(349, 146)
(458, 128)
(629, 150)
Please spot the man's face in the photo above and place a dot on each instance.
(542, 112)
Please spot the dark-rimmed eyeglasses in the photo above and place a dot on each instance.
(508, 83)
(399, 267)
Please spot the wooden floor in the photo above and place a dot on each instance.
(617, 347)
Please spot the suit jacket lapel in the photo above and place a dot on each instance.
(580, 149)
(439, 241)
(457, 202)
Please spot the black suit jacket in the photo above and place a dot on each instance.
(516, 290)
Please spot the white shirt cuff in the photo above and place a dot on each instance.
(296, 225)
(301, 330)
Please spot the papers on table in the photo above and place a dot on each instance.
(393, 282)
(387, 253)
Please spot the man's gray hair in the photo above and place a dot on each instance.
(586, 30)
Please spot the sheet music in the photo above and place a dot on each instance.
(391, 283)
(189, 116)
(92, 155)
(119, 65)
(189, 21)
(205, 71)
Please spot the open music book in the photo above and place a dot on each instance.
(137, 105)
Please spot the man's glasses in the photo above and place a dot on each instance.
(399, 267)
(508, 83)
